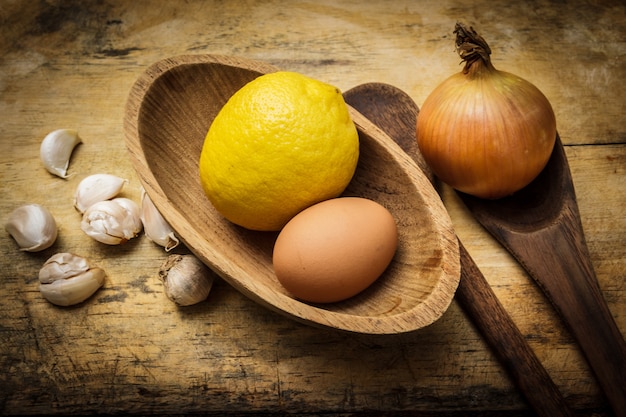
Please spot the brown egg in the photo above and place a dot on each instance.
(335, 249)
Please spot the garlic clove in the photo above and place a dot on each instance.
(186, 279)
(156, 228)
(73, 290)
(56, 149)
(97, 187)
(66, 279)
(112, 222)
(33, 227)
(133, 215)
(61, 266)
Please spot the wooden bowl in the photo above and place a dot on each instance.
(168, 114)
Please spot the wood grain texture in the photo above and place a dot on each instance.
(130, 350)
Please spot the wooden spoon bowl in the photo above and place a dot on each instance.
(168, 114)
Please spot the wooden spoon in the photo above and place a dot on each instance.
(395, 112)
(168, 114)
(541, 227)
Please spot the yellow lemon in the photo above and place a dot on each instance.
(280, 144)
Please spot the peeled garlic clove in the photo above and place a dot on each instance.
(66, 279)
(186, 279)
(154, 225)
(56, 149)
(97, 187)
(33, 227)
(112, 222)
(61, 266)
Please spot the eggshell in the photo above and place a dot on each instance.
(335, 249)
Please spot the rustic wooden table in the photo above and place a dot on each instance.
(129, 350)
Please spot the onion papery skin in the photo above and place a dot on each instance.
(486, 132)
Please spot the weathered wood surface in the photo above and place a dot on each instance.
(71, 64)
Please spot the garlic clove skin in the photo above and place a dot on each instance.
(61, 266)
(56, 149)
(133, 214)
(186, 279)
(95, 188)
(112, 222)
(33, 227)
(156, 228)
(66, 279)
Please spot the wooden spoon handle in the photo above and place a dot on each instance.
(480, 302)
(558, 259)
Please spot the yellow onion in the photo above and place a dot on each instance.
(485, 132)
